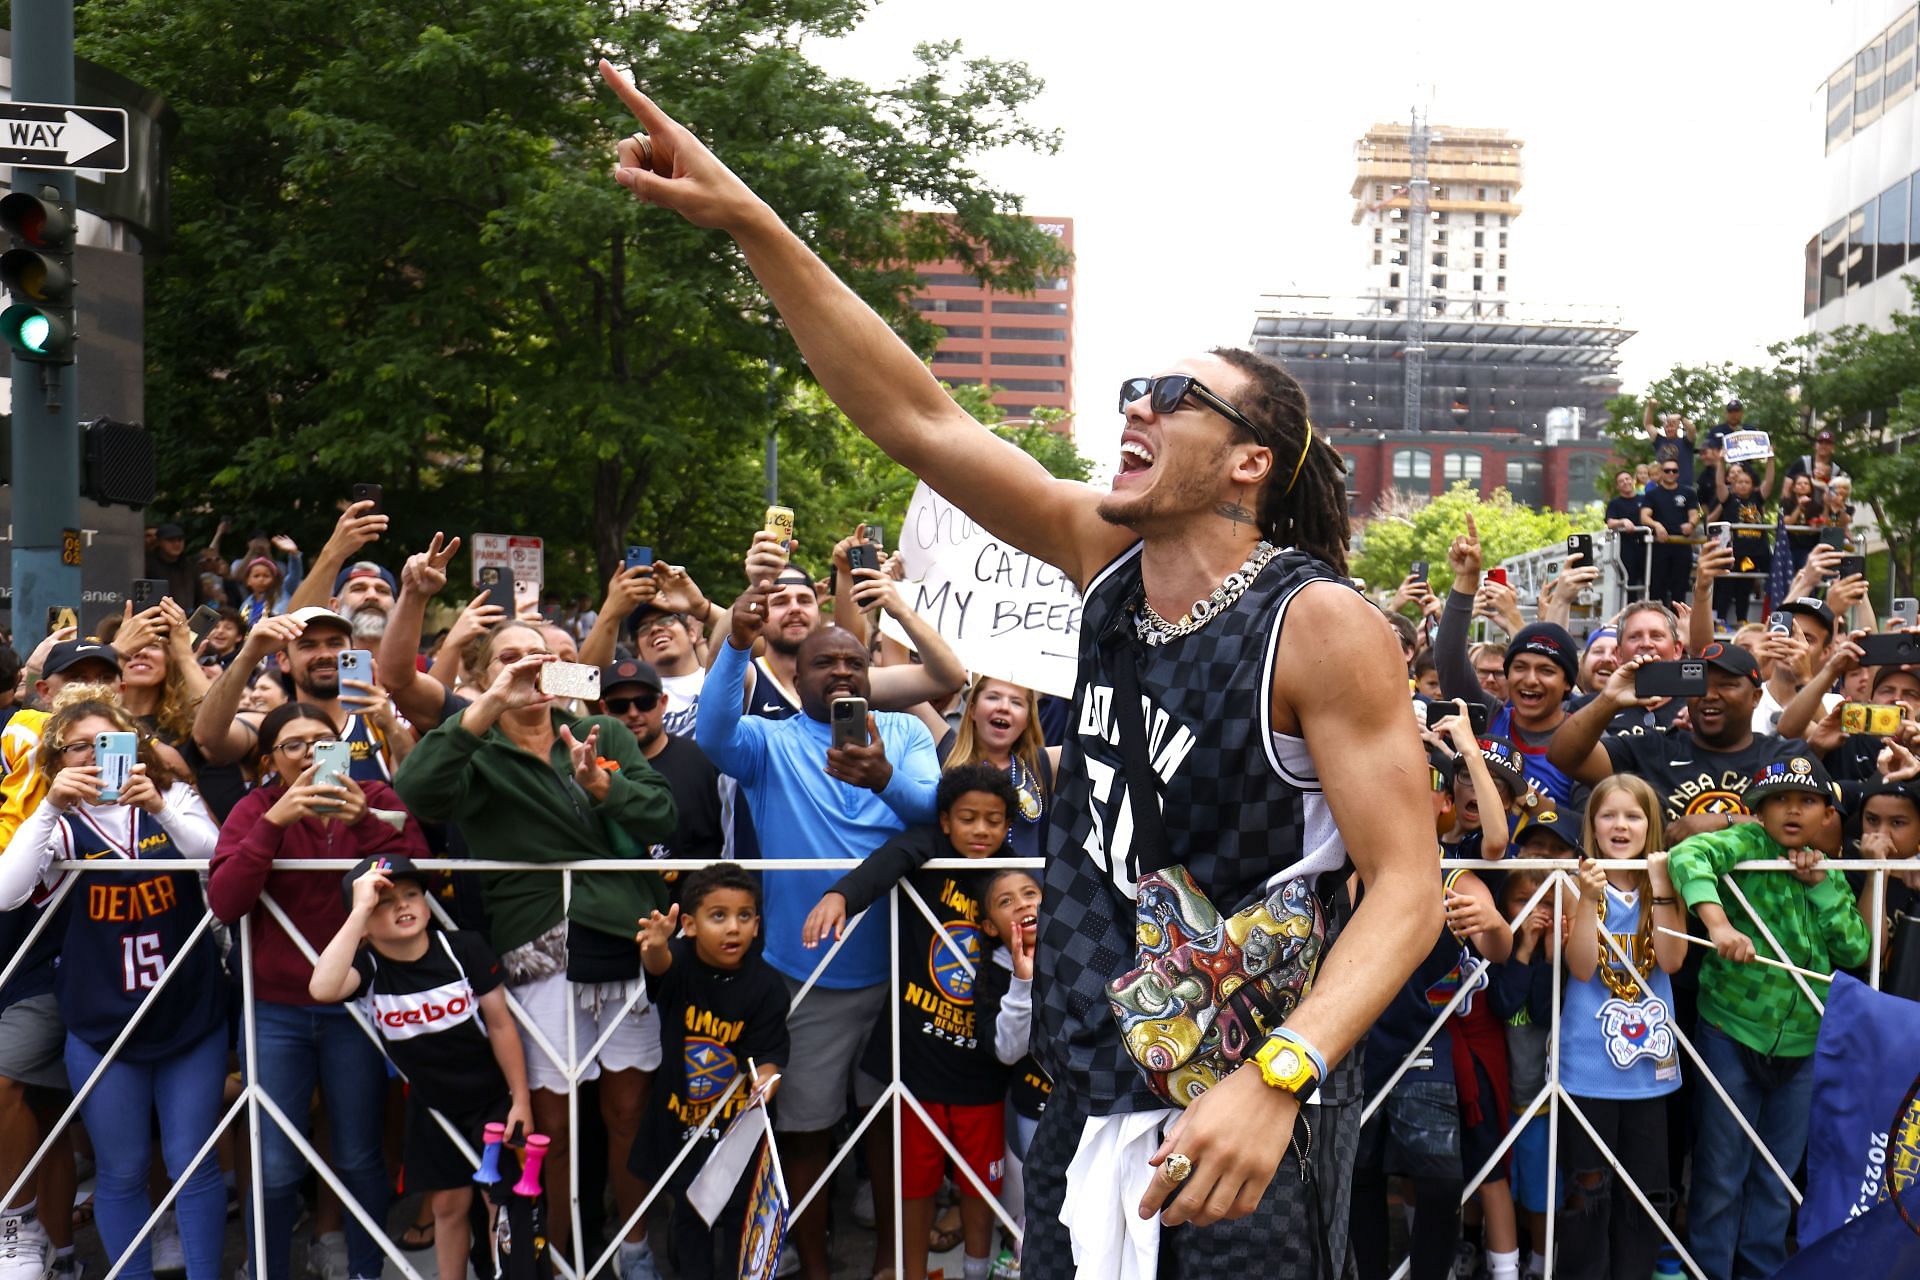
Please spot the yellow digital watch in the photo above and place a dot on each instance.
(1283, 1066)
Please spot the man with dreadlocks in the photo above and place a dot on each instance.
(1281, 747)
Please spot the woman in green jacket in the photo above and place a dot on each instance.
(528, 783)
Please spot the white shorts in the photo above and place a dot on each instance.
(633, 1046)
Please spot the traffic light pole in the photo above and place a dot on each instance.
(46, 438)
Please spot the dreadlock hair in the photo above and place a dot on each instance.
(1310, 511)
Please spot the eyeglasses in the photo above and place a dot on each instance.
(642, 702)
(1167, 392)
(74, 750)
(656, 623)
(300, 748)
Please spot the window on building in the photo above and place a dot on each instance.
(1439, 237)
(1479, 259)
(1479, 239)
(955, 278)
(1376, 257)
(1861, 224)
(962, 331)
(1413, 471)
(1897, 80)
(1439, 259)
(1479, 219)
(1503, 239)
(1500, 284)
(1439, 280)
(1441, 219)
(1585, 473)
(956, 357)
(1481, 194)
(1011, 307)
(1031, 384)
(1892, 239)
(1866, 84)
(1810, 301)
(946, 304)
(1393, 278)
(1476, 283)
(1833, 262)
(1523, 481)
(1502, 263)
(1440, 192)
(1398, 259)
(1458, 465)
(1379, 191)
(1050, 359)
(1004, 333)
(1391, 306)
(1503, 219)
(1506, 194)
(1840, 106)
(1376, 235)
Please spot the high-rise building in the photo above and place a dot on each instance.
(1473, 204)
(1019, 343)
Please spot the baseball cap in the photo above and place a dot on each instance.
(1732, 659)
(1799, 773)
(315, 613)
(70, 653)
(1503, 762)
(1561, 820)
(1598, 634)
(1824, 437)
(1734, 405)
(364, 569)
(1812, 607)
(397, 866)
(169, 530)
(630, 671)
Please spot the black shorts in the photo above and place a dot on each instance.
(433, 1162)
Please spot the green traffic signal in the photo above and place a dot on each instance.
(38, 272)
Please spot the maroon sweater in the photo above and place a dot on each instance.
(243, 870)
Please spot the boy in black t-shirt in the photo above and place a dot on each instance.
(436, 1001)
(947, 1016)
(721, 1007)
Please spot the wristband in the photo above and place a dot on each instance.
(1305, 1046)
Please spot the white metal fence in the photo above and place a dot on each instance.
(260, 1109)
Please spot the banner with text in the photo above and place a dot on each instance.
(1007, 614)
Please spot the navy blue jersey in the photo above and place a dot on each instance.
(370, 763)
(127, 929)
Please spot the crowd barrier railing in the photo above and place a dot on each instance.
(260, 1109)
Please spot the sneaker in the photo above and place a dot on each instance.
(635, 1262)
(25, 1251)
(165, 1241)
(789, 1262)
(326, 1257)
(863, 1204)
(1006, 1266)
(1466, 1261)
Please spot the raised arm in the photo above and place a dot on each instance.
(1713, 562)
(358, 525)
(1575, 747)
(939, 674)
(217, 730)
(860, 362)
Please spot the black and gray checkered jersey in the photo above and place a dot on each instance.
(1243, 807)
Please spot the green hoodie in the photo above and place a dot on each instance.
(514, 807)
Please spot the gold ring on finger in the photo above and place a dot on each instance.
(646, 148)
(1177, 1169)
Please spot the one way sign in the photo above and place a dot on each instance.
(42, 135)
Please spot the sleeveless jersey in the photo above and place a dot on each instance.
(124, 931)
(369, 752)
(1533, 761)
(1243, 807)
(769, 700)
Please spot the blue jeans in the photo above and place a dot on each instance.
(301, 1046)
(1738, 1212)
(185, 1092)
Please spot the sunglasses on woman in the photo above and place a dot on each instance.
(1167, 392)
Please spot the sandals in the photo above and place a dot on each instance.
(944, 1236)
(417, 1237)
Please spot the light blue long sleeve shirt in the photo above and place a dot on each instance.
(800, 812)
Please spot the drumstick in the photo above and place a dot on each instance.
(1757, 959)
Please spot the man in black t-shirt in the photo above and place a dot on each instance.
(1623, 517)
(630, 691)
(1670, 510)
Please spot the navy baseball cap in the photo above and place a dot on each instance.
(397, 866)
(69, 653)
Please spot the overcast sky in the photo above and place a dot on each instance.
(1672, 155)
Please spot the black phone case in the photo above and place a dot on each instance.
(1665, 680)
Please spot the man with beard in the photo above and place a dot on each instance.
(1213, 579)
(861, 797)
(1700, 772)
(1602, 655)
(630, 692)
(307, 644)
(363, 595)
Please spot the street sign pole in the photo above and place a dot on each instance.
(46, 440)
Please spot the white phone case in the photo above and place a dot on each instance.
(570, 680)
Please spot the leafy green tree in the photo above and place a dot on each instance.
(1397, 538)
(398, 256)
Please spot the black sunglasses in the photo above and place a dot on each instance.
(1166, 393)
(643, 702)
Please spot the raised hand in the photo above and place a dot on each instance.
(750, 613)
(428, 569)
(358, 526)
(657, 930)
(585, 757)
(667, 166)
(676, 592)
(1464, 555)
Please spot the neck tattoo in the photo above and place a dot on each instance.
(1235, 512)
(1155, 630)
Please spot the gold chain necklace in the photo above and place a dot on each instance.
(1619, 981)
(1155, 630)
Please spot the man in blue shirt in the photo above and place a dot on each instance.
(813, 800)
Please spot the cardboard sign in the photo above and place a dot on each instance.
(1006, 614)
(518, 557)
(1748, 446)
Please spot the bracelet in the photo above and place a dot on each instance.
(1305, 1046)
(1665, 902)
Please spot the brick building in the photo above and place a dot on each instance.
(1020, 343)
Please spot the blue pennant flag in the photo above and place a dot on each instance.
(766, 1225)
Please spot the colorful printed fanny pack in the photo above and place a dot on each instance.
(1208, 990)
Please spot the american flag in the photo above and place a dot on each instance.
(1780, 580)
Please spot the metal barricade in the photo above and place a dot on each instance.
(261, 1110)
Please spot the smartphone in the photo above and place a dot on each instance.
(1831, 537)
(1907, 609)
(114, 754)
(1476, 715)
(1779, 623)
(1497, 574)
(1896, 648)
(570, 680)
(849, 718)
(355, 664)
(201, 622)
(366, 493)
(1581, 544)
(65, 615)
(861, 555)
(638, 558)
(1720, 534)
(780, 524)
(876, 537)
(147, 592)
(489, 575)
(1848, 566)
(526, 596)
(1684, 679)
(1419, 571)
(331, 760)
(1878, 719)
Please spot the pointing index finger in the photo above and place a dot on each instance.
(637, 102)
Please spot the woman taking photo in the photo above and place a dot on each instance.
(302, 1044)
(998, 727)
(124, 931)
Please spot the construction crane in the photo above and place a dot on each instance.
(1418, 190)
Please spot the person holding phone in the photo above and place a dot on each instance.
(123, 931)
(530, 784)
(304, 1044)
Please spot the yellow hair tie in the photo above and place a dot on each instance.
(1305, 445)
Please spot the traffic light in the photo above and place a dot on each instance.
(38, 272)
